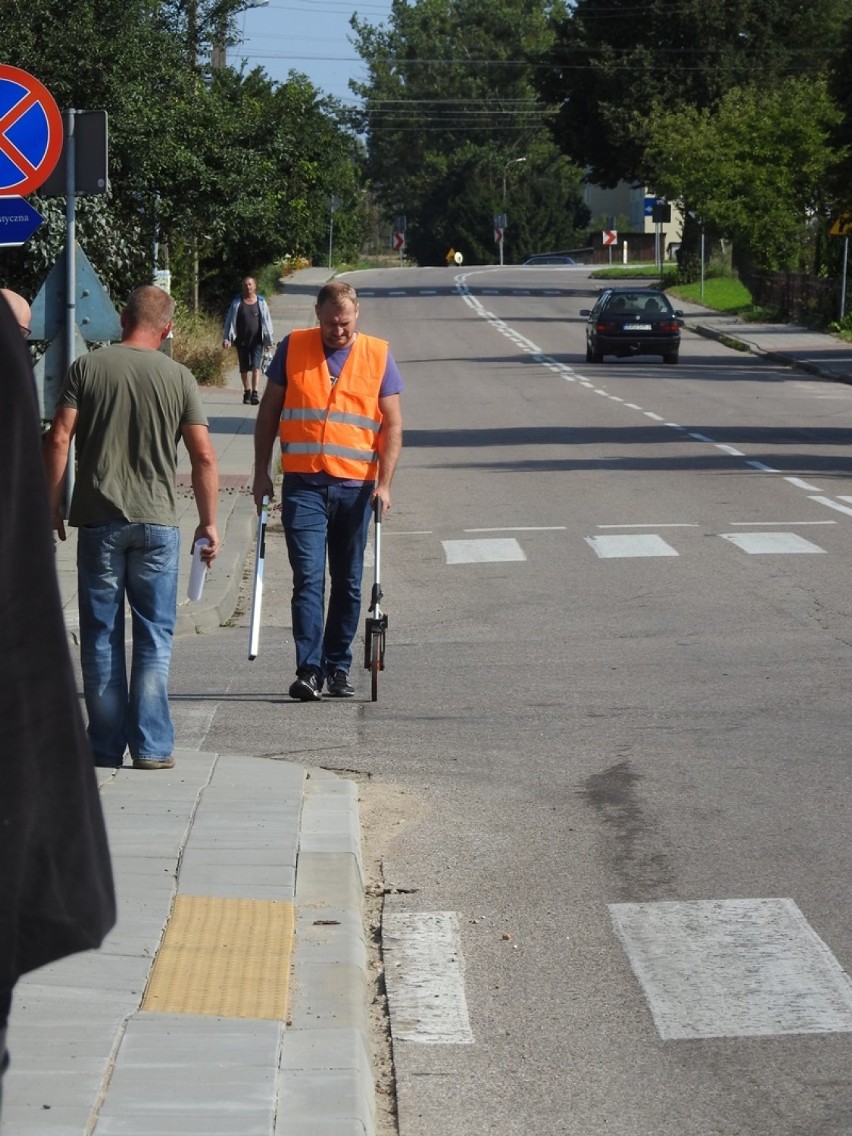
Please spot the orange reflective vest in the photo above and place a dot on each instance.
(331, 427)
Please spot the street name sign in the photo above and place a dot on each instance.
(18, 221)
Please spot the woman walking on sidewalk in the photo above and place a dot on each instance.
(248, 325)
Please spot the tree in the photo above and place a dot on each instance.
(840, 88)
(756, 167)
(227, 168)
(448, 105)
(613, 62)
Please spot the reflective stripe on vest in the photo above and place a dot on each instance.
(332, 427)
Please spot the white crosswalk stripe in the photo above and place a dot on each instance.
(733, 968)
(482, 551)
(771, 543)
(424, 977)
(630, 545)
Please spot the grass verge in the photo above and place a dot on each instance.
(720, 293)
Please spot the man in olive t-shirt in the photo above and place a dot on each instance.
(129, 405)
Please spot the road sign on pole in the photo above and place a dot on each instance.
(91, 165)
(841, 226)
(30, 132)
(18, 221)
(610, 237)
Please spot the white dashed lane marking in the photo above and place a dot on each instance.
(833, 505)
(733, 968)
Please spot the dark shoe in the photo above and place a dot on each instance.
(246, 397)
(306, 687)
(153, 762)
(337, 684)
(254, 398)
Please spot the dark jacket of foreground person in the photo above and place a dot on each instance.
(56, 888)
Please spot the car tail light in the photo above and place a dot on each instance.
(604, 326)
(668, 326)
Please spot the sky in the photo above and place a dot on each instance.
(310, 36)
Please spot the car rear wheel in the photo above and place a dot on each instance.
(671, 357)
(593, 356)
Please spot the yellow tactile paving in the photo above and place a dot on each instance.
(224, 957)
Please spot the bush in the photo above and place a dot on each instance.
(197, 344)
(843, 327)
(291, 264)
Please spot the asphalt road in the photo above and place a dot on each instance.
(611, 747)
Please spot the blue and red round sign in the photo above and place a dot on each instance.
(30, 132)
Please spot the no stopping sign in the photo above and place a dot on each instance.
(30, 132)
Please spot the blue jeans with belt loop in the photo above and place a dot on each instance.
(139, 562)
(325, 521)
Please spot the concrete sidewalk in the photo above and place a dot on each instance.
(790, 345)
(168, 1030)
(231, 997)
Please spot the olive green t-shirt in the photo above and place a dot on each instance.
(131, 403)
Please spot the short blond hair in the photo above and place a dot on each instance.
(337, 293)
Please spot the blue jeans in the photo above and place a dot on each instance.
(140, 562)
(320, 521)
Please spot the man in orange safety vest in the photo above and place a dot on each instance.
(333, 400)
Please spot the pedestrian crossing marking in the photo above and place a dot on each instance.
(482, 551)
(424, 974)
(733, 968)
(630, 545)
(771, 543)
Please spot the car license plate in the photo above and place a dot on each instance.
(637, 327)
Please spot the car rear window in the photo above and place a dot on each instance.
(638, 305)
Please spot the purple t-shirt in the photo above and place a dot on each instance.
(277, 373)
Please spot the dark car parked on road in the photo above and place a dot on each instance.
(632, 321)
(549, 258)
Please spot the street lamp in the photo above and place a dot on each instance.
(512, 162)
